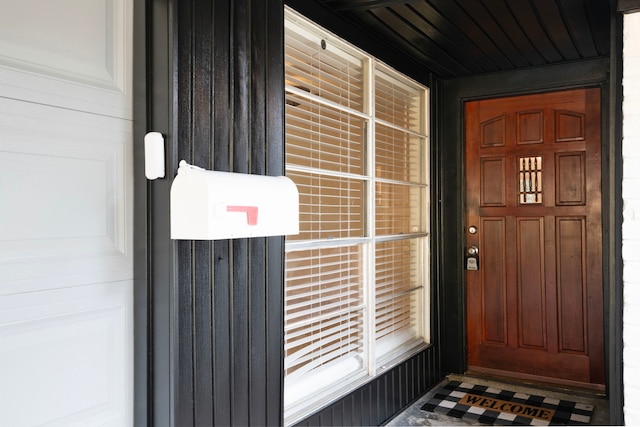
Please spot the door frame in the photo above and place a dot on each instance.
(450, 212)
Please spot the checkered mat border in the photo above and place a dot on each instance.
(492, 406)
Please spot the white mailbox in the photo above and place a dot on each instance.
(209, 205)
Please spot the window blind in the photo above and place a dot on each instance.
(323, 138)
(399, 103)
(331, 207)
(319, 64)
(400, 210)
(324, 318)
(399, 155)
(399, 289)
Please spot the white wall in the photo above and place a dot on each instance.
(631, 217)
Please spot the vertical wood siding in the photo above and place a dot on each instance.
(229, 292)
(216, 89)
(386, 395)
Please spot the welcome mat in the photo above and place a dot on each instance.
(492, 406)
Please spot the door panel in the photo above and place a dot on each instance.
(494, 283)
(534, 306)
(531, 304)
(63, 356)
(64, 187)
(492, 174)
(530, 127)
(78, 60)
(570, 179)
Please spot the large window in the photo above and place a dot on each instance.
(356, 283)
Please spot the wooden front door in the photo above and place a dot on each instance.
(534, 303)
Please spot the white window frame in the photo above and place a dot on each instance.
(354, 377)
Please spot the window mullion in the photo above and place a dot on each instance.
(370, 278)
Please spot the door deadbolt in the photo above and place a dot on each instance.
(473, 229)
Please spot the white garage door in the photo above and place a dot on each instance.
(66, 270)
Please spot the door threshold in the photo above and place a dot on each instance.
(537, 383)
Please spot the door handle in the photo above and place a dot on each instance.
(473, 250)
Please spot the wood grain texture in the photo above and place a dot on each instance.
(552, 267)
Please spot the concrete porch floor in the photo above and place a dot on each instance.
(414, 416)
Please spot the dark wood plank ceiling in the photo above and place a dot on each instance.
(454, 38)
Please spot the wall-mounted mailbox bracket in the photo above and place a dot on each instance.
(210, 205)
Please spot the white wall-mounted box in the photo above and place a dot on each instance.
(210, 205)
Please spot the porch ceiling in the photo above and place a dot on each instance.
(455, 38)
